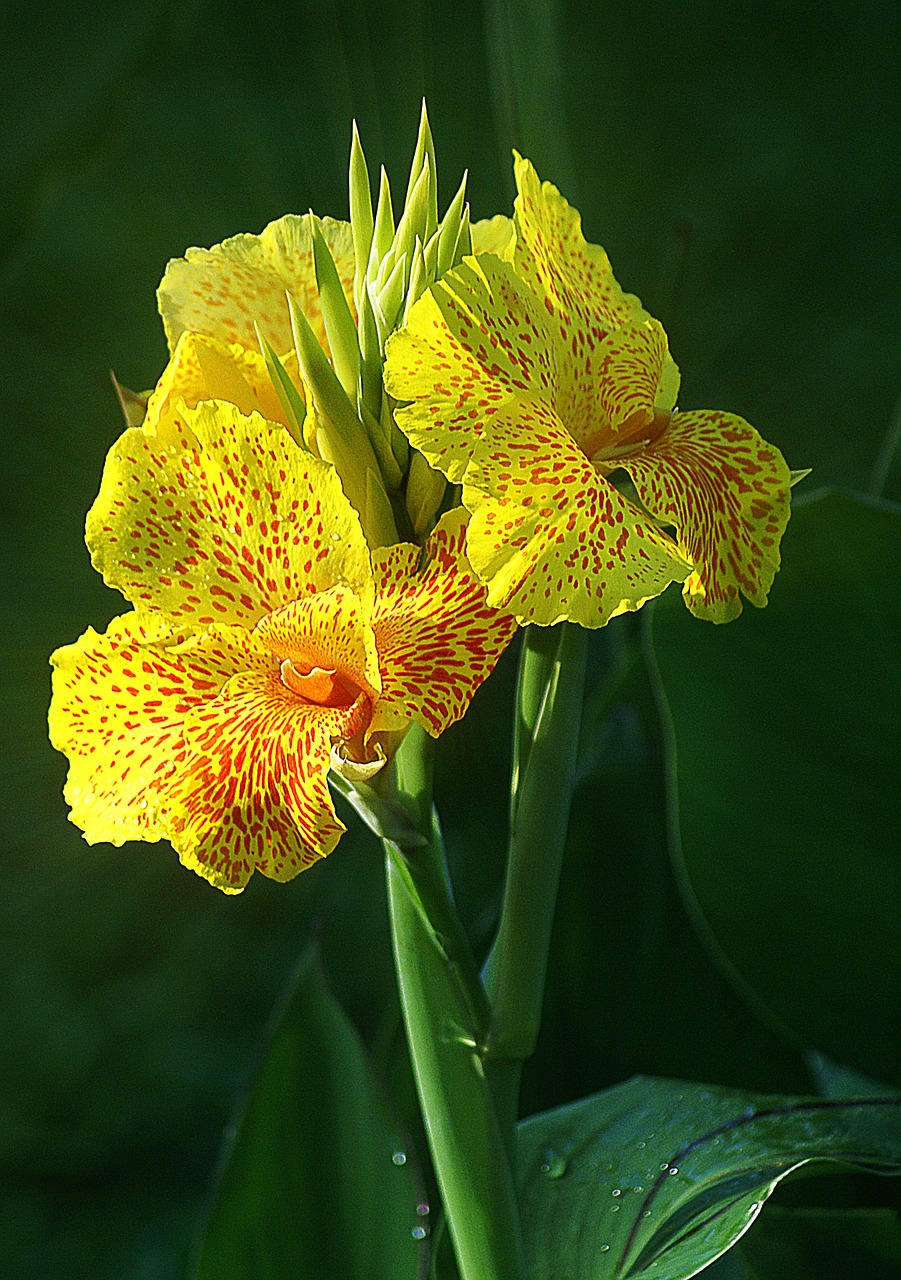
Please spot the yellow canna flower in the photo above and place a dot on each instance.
(268, 643)
(537, 383)
(223, 292)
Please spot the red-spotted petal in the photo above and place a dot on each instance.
(229, 524)
(727, 492)
(222, 291)
(253, 793)
(554, 258)
(329, 631)
(437, 638)
(549, 535)
(473, 341)
(119, 705)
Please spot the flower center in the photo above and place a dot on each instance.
(318, 685)
(629, 443)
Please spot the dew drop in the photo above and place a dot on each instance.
(605, 1248)
(617, 1191)
(665, 1164)
(638, 1187)
(673, 1171)
(399, 1157)
(422, 1209)
(615, 1209)
(554, 1166)
(419, 1233)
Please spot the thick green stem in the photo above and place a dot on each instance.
(549, 709)
(446, 1016)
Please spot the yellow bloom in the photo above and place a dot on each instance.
(267, 643)
(535, 381)
(221, 292)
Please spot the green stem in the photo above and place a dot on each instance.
(446, 1017)
(549, 709)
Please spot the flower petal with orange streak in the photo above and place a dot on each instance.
(202, 368)
(253, 794)
(726, 490)
(119, 705)
(221, 291)
(330, 631)
(473, 341)
(437, 638)
(550, 537)
(224, 529)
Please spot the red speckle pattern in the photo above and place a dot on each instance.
(437, 638)
(550, 535)
(477, 341)
(231, 521)
(218, 735)
(533, 396)
(222, 291)
(727, 492)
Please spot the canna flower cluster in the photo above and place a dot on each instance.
(283, 514)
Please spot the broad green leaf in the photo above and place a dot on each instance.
(317, 1181)
(654, 1179)
(785, 755)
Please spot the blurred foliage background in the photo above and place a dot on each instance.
(739, 163)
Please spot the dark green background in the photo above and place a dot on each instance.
(738, 162)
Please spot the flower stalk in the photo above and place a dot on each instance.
(446, 1014)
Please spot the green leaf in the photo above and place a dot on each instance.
(317, 1181)
(654, 1179)
(784, 790)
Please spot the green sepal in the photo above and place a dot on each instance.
(425, 151)
(381, 443)
(387, 300)
(341, 436)
(430, 256)
(339, 323)
(134, 406)
(385, 817)
(289, 397)
(425, 490)
(463, 247)
(361, 219)
(418, 283)
(383, 230)
(369, 390)
(414, 220)
(449, 230)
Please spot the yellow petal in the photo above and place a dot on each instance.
(550, 537)
(437, 638)
(253, 792)
(553, 257)
(472, 342)
(726, 491)
(329, 631)
(118, 710)
(493, 235)
(222, 291)
(229, 524)
(202, 368)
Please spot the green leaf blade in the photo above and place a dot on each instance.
(318, 1180)
(655, 1179)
